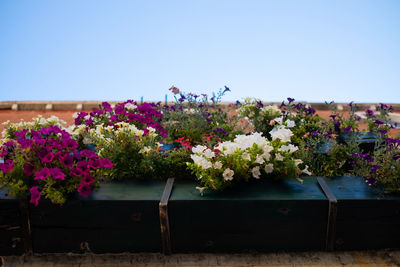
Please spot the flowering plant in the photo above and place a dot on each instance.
(46, 162)
(135, 153)
(247, 156)
(194, 116)
(141, 115)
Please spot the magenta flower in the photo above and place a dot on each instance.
(25, 143)
(29, 169)
(84, 189)
(87, 178)
(88, 153)
(67, 161)
(48, 158)
(35, 195)
(57, 174)
(107, 107)
(42, 174)
(76, 172)
(94, 164)
(82, 165)
(106, 163)
(347, 129)
(7, 166)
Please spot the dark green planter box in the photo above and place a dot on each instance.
(256, 216)
(11, 230)
(117, 217)
(366, 219)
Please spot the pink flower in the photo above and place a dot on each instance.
(29, 169)
(106, 163)
(57, 174)
(67, 161)
(42, 174)
(83, 165)
(84, 189)
(35, 195)
(7, 166)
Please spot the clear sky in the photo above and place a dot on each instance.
(124, 49)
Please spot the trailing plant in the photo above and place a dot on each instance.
(46, 163)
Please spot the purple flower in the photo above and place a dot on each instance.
(82, 165)
(227, 89)
(76, 172)
(290, 100)
(347, 129)
(315, 133)
(107, 107)
(371, 181)
(7, 166)
(94, 164)
(35, 195)
(106, 163)
(87, 178)
(260, 104)
(358, 118)
(57, 174)
(337, 126)
(310, 110)
(375, 168)
(25, 143)
(351, 104)
(369, 112)
(84, 189)
(220, 130)
(333, 116)
(48, 158)
(70, 143)
(88, 153)
(42, 174)
(201, 106)
(29, 169)
(378, 122)
(382, 132)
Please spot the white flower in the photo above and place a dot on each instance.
(75, 115)
(289, 148)
(297, 162)
(290, 123)
(246, 156)
(228, 174)
(130, 106)
(279, 157)
(87, 117)
(217, 165)
(201, 161)
(282, 133)
(256, 172)
(259, 160)
(201, 189)
(270, 108)
(145, 150)
(279, 120)
(198, 149)
(269, 168)
(306, 171)
(208, 153)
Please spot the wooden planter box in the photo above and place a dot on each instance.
(366, 219)
(256, 216)
(117, 217)
(12, 236)
(341, 213)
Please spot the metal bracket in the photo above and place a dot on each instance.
(164, 219)
(332, 214)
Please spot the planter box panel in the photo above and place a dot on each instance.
(11, 233)
(260, 216)
(366, 218)
(120, 217)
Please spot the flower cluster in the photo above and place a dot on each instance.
(47, 162)
(128, 147)
(143, 116)
(246, 157)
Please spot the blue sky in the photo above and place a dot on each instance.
(116, 50)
